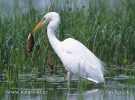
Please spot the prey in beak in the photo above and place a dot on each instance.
(30, 43)
(30, 39)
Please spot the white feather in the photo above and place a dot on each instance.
(76, 58)
(81, 61)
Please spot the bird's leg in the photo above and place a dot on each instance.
(69, 76)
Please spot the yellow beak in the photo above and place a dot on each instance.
(38, 26)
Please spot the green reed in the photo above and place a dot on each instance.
(108, 33)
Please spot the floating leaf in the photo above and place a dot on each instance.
(54, 78)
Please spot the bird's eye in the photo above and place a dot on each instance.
(43, 19)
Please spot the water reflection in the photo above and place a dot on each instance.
(98, 94)
(95, 94)
(59, 92)
(54, 87)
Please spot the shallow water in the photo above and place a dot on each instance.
(54, 87)
(119, 80)
(9, 8)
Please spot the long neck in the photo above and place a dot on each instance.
(55, 43)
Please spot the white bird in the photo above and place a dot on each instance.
(76, 58)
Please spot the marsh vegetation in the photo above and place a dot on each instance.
(106, 28)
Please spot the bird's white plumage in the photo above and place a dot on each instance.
(81, 61)
(76, 58)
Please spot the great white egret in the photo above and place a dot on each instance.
(76, 58)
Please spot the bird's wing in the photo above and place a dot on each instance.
(80, 60)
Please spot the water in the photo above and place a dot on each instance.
(119, 79)
(54, 87)
(7, 8)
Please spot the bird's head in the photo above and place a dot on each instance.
(51, 16)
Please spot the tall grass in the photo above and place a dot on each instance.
(109, 33)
